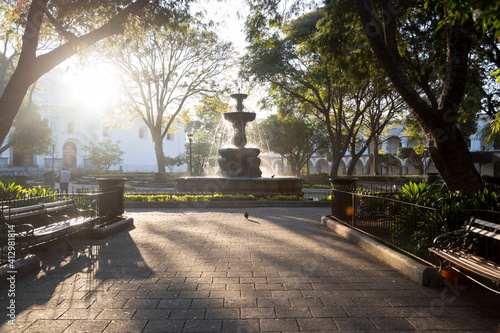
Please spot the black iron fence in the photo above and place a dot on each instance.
(107, 201)
(407, 227)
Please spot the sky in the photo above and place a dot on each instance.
(230, 16)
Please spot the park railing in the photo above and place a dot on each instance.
(404, 226)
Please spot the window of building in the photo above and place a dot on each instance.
(71, 127)
(170, 137)
(142, 132)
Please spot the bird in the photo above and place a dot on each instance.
(246, 215)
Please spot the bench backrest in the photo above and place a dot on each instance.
(37, 215)
(33, 214)
(485, 228)
(60, 207)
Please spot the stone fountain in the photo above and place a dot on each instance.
(240, 166)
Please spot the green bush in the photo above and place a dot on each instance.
(214, 197)
(322, 186)
(13, 191)
(416, 227)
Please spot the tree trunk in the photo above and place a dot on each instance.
(334, 171)
(160, 156)
(448, 149)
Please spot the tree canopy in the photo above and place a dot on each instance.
(293, 138)
(56, 30)
(163, 68)
(104, 155)
(408, 39)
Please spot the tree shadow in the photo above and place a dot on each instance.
(69, 280)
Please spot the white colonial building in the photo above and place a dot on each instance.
(75, 126)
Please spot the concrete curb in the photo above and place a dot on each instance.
(412, 269)
(21, 267)
(113, 228)
(225, 204)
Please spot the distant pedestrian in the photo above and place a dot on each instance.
(64, 180)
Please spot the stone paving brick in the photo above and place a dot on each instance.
(222, 313)
(208, 270)
(294, 312)
(81, 314)
(258, 313)
(328, 312)
(279, 325)
(41, 326)
(175, 303)
(207, 303)
(116, 314)
(156, 325)
(187, 313)
(78, 326)
(316, 324)
(354, 324)
(241, 325)
(125, 326)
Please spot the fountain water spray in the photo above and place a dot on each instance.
(240, 166)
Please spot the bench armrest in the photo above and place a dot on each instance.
(87, 212)
(19, 228)
(450, 241)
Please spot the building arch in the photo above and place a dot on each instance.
(322, 166)
(70, 153)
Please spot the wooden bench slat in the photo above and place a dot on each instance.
(38, 210)
(487, 224)
(484, 232)
(474, 264)
(59, 203)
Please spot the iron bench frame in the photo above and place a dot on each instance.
(456, 250)
(62, 218)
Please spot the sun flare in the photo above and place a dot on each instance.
(94, 87)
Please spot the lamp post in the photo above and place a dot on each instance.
(190, 138)
(53, 178)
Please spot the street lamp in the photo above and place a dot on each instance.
(53, 178)
(190, 138)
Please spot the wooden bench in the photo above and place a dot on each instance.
(459, 249)
(44, 222)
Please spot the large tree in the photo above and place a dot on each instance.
(434, 96)
(164, 68)
(294, 138)
(436, 115)
(63, 28)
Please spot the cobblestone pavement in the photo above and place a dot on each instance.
(211, 270)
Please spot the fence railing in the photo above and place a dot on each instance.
(107, 201)
(405, 226)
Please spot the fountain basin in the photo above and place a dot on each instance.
(235, 117)
(260, 187)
